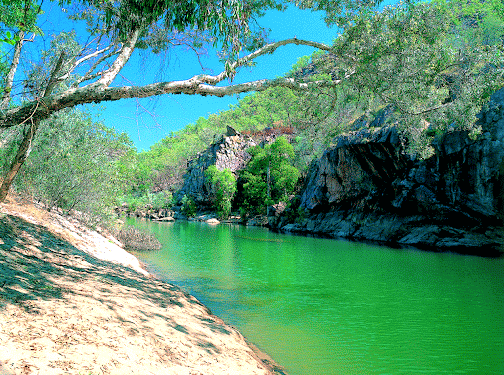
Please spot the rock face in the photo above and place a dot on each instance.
(367, 188)
(229, 152)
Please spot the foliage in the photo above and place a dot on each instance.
(269, 177)
(18, 15)
(227, 22)
(157, 201)
(74, 164)
(83, 70)
(223, 187)
(433, 69)
(435, 65)
(161, 200)
(38, 77)
(188, 206)
(436, 62)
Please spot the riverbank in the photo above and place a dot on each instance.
(73, 301)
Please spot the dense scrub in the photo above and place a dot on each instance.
(75, 164)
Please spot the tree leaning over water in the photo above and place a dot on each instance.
(116, 29)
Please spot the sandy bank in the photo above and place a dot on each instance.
(74, 302)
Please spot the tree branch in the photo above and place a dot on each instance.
(198, 85)
(194, 86)
(88, 76)
(53, 79)
(83, 59)
(267, 49)
(125, 54)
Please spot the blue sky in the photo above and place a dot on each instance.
(149, 120)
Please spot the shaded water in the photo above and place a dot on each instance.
(321, 306)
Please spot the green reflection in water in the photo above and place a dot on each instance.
(321, 306)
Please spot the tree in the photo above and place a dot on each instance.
(270, 176)
(318, 115)
(223, 187)
(75, 165)
(117, 28)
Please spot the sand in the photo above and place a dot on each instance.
(72, 301)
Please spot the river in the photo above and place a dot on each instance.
(323, 306)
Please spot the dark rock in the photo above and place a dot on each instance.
(367, 188)
(426, 235)
(231, 131)
(360, 163)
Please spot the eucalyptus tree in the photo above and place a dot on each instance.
(75, 165)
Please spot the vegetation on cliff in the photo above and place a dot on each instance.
(269, 177)
(85, 66)
(432, 65)
(223, 187)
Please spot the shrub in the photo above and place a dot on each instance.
(161, 200)
(223, 184)
(134, 239)
(188, 206)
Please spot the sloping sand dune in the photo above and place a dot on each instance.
(74, 302)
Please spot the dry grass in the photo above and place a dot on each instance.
(134, 239)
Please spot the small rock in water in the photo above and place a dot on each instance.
(167, 218)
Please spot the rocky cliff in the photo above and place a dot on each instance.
(367, 188)
(229, 152)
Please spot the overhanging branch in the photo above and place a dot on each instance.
(100, 91)
(267, 49)
(73, 97)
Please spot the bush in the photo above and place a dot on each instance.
(73, 165)
(269, 177)
(223, 184)
(161, 200)
(188, 206)
(133, 239)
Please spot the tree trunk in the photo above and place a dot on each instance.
(25, 146)
(19, 159)
(9, 79)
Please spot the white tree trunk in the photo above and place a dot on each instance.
(9, 79)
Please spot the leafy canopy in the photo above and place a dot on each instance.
(75, 164)
(270, 176)
(223, 187)
(18, 15)
(231, 24)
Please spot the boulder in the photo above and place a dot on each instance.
(166, 218)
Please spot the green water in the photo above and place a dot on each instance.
(321, 306)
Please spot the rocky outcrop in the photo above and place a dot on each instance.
(229, 152)
(367, 188)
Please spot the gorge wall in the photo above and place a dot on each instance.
(367, 188)
(230, 152)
